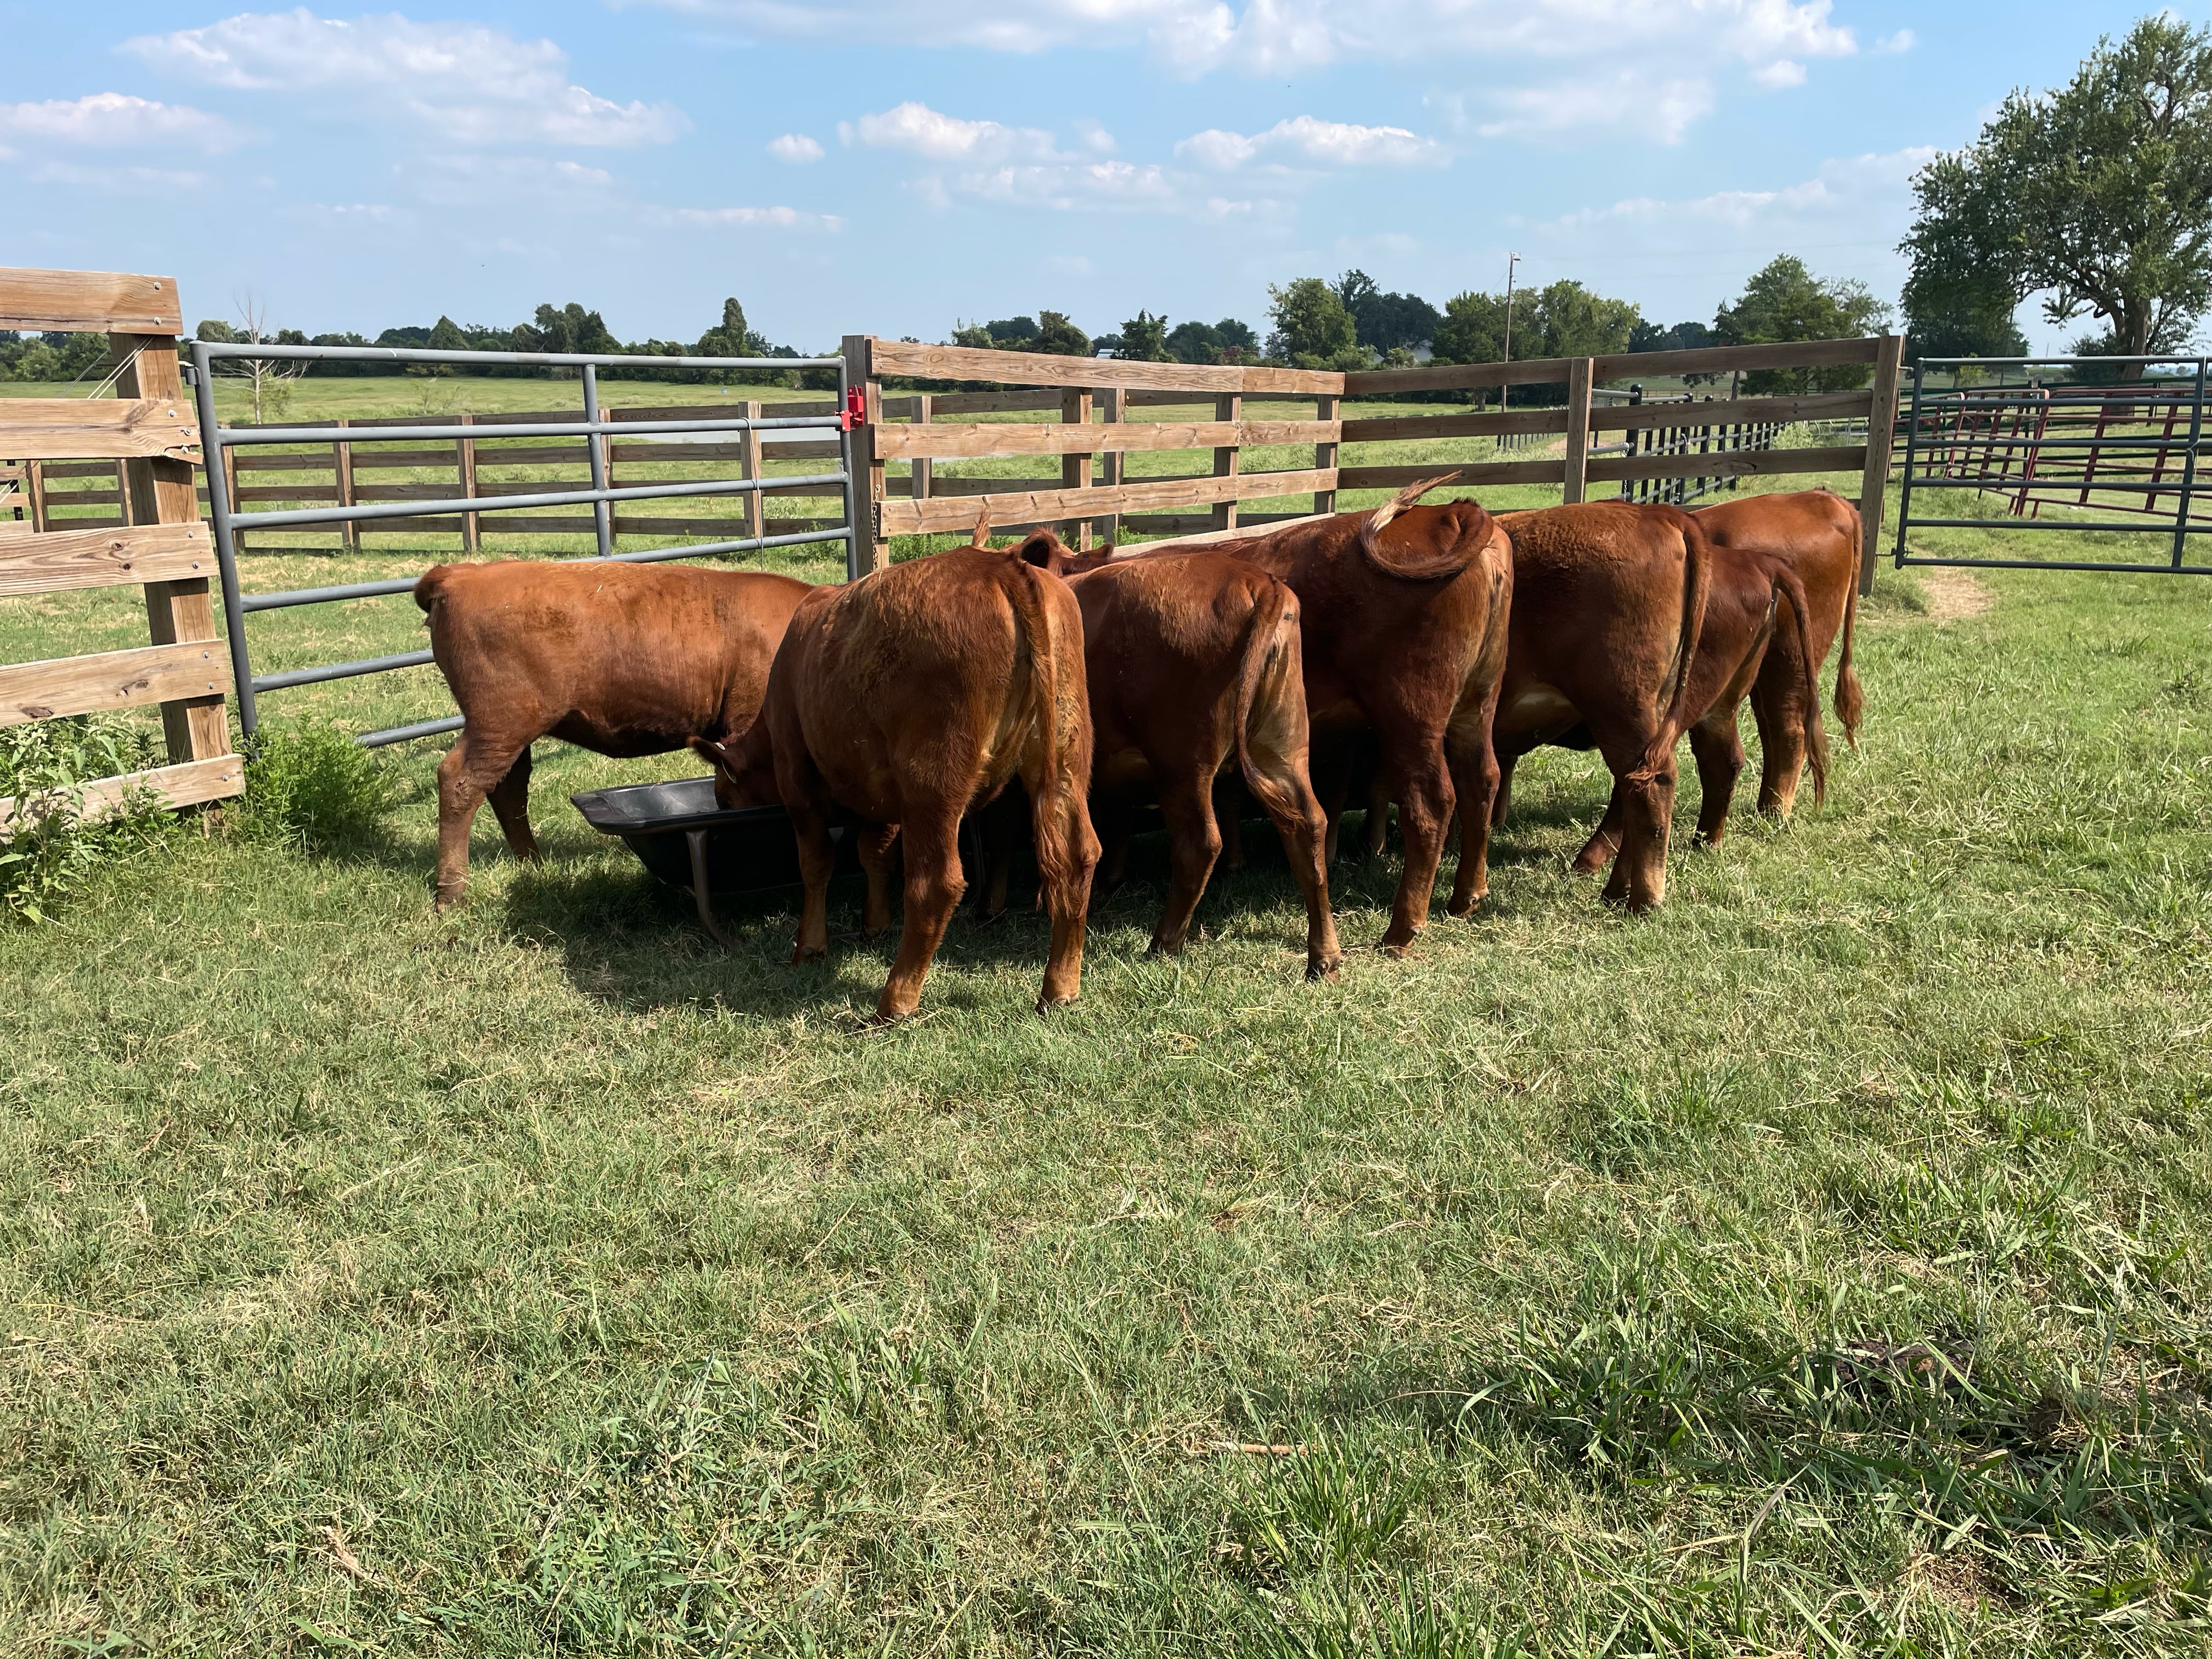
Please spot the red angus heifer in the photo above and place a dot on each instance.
(1404, 617)
(1755, 605)
(622, 659)
(1608, 603)
(1192, 659)
(909, 697)
(1816, 534)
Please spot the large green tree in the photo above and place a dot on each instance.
(1562, 320)
(1144, 339)
(1783, 302)
(2097, 196)
(1312, 329)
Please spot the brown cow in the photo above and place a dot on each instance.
(909, 697)
(626, 659)
(1754, 603)
(1817, 535)
(1404, 616)
(1609, 601)
(1192, 659)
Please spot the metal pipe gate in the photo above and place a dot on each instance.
(237, 604)
(2068, 443)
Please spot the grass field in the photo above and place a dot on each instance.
(1817, 1265)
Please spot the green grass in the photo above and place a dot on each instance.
(1817, 1265)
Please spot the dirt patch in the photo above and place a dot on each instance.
(1953, 594)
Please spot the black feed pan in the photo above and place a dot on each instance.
(682, 837)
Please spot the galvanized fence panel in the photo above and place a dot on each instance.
(2088, 451)
(595, 426)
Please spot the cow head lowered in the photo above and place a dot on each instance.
(745, 767)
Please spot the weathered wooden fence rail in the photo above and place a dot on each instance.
(1092, 494)
(145, 437)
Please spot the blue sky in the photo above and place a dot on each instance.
(891, 165)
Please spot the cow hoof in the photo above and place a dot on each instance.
(1327, 969)
(1046, 1004)
(443, 901)
(1466, 907)
(1162, 947)
(1396, 953)
(802, 956)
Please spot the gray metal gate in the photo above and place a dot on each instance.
(229, 522)
(2122, 455)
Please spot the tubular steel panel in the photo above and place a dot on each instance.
(595, 427)
(2061, 442)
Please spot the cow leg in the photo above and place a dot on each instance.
(934, 887)
(1111, 821)
(510, 804)
(1647, 806)
(465, 776)
(1378, 813)
(1425, 800)
(1779, 710)
(999, 828)
(1194, 844)
(874, 842)
(817, 861)
(1605, 840)
(1719, 751)
(1067, 857)
(1501, 802)
(1290, 802)
(1228, 819)
(1477, 778)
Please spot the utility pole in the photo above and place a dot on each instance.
(1511, 260)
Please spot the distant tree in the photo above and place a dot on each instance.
(1679, 336)
(215, 331)
(1949, 314)
(2097, 196)
(1312, 329)
(1194, 342)
(1384, 321)
(446, 336)
(1472, 330)
(1011, 333)
(1565, 319)
(1060, 337)
(974, 336)
(733, 337)
(1784, 301)
(1144, 339)
(569, 329)
(1239, 342)
(269, 380)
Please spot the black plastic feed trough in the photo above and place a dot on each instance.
(682, 837)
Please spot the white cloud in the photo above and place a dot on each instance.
(921, 130)
(1304, 139)
(1275, 37)
(1069, 264)
(472, 83)
(506, 180)
(1064, 185)
(1903, 41)
(115, 120)
(1782, 72)
(778, 218)
(1845, 185)
(795, 148)
(119, 181)
(1626, 102)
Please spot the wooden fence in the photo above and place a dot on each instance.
(1097, 428)
(145, 437)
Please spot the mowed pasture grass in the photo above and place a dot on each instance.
(1819, 1265)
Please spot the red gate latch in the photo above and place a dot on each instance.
(855, 412)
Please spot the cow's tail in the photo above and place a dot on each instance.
(1263, 643)
(1816, 736)
(982, 536)
(1063, 770)
(1440, 569)
(1697, 585)
(1851, 701)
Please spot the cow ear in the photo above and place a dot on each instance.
(1043, 550)
(712, 752)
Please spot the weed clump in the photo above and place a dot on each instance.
(308, 784)
(52, 845)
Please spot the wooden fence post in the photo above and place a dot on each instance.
(1227, 461)
(921, 466)
(749, 467)
(1882, 427)
(1075, 470)
(35, 481)
(872, 549)
(1326, 408)
(464, 464)
(1111, 401)
(159, 491)
(1580, 376)
(342, 463)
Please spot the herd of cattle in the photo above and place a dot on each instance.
(1410, 655)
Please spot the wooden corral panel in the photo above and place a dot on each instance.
(98, 429)
(89, 302)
